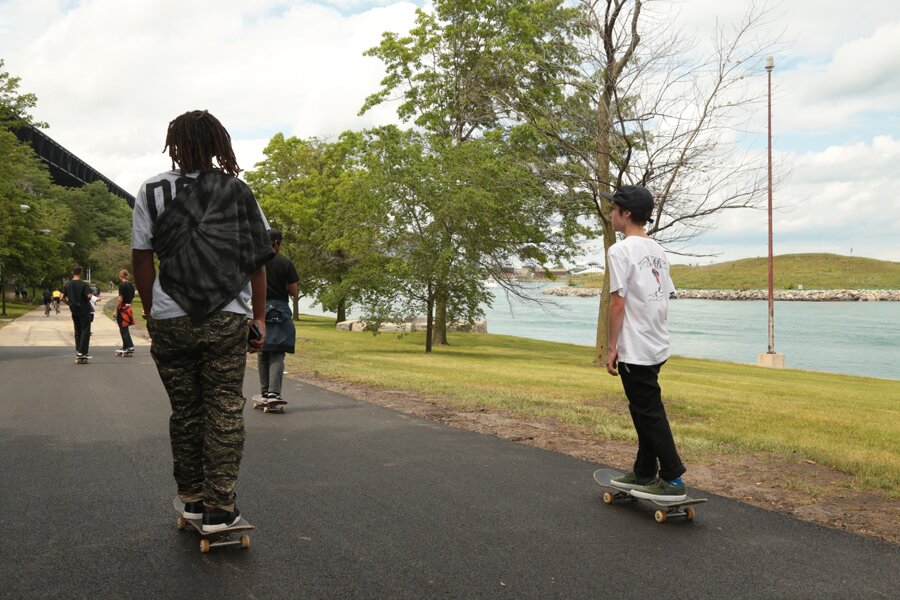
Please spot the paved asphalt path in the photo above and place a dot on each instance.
(352, 500)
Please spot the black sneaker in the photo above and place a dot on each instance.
(193, 510)
(273, 396)
(216, 519)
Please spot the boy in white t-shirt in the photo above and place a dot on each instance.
(640, 287)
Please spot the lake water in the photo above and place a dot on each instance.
(857, 338)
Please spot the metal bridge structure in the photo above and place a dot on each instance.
(66, 169)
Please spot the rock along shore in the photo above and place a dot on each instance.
(781, 295)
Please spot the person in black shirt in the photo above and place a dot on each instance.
(77, 295)
(124, 314)
(281, 282)
(48, 297)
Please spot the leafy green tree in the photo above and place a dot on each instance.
(454, 72)
(110, 257)
(454, 212)
(304, 188)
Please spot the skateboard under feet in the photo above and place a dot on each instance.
(223, 537)
(268, 405)
(667, 510)
(125, 353)
(81, 360)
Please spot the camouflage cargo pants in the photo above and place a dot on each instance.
(202, 369)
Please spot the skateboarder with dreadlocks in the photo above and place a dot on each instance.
(210, 236)
(640, 286)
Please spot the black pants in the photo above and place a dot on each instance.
(82, 322)
(126, 338)
(656, 446)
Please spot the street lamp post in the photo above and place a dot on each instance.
(771, 358)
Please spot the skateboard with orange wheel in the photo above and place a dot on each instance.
(222, 537)
(268, 405)
(667, 510)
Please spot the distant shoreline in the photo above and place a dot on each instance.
(738, 295)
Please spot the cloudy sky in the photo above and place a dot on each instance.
(111, 74)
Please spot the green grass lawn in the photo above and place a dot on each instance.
(847, 423)
(14, 310)
(812, 271)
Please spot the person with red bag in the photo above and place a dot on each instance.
(124, 313)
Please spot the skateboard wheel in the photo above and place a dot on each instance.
(607, 498)
(660, 516)
(265, 409)
(690, 513)
(204, 546)
(245, 541)
(181, 523)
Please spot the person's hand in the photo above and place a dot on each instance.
(256, 345)
(612, 358)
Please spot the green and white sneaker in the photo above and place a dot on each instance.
(630, 481)
(661, 491)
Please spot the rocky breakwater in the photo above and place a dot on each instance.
(412, 325)
(569, 290)
(780, 295)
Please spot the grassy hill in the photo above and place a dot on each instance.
(811, 271)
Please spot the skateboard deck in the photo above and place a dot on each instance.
(124, 354)
(209, 540)
(268, 405)
(667, 510)
(81, 361)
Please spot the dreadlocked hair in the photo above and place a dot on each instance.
(195, 138)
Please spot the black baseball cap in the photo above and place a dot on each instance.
(274, 235)
(634, 198)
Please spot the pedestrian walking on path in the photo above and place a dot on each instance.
(211, 238)
(281, 282)
(124, 313)
(640, 287)
(76, 294)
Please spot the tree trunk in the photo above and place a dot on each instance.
(296, 304)
(342, 310)
(609, 236)
(440, 317)
(440, 321)
(429, 319)
(602, 343)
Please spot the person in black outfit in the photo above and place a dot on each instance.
(281, 282)
(48, 298)
(77, 295)
(124, 313)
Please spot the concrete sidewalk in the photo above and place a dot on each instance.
(55, 330)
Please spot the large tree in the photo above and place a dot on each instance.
(456, 64)
(647, 107)
(305, 188)
(455, 212)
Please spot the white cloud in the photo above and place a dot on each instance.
(837, 199)
(110, 75)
